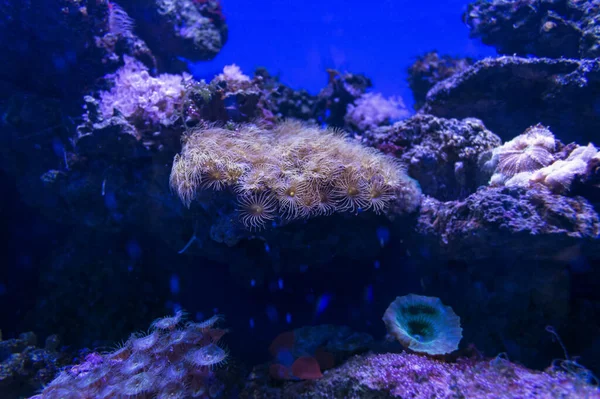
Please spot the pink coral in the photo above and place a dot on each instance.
(372, 110)
(142, 98)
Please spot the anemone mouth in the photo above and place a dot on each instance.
(256, 210)
(421, 330)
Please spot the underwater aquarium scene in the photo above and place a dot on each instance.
(300, 199)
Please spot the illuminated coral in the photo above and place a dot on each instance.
(559, 175)
(372, 109)
(533, 158)
(142, 98)
(256, 209)
(423, 324)
(527, 152)
(291, 172)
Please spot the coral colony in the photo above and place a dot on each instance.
(174, 359)
(308, 204)
(290, 172)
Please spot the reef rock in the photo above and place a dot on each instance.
(192, 29)
(431, 68)
(509, 94)
(546, 28)
(24, 367)
(60, 48)
(442, 154)
(419, 377)
(532, 222)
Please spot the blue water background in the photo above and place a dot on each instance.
(299, 40)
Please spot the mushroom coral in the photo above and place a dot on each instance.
(423, 324)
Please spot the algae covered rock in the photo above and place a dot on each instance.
(405, 375)
(510, 94)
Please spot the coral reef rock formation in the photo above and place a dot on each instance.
(431, 68)
(544, 28)
(192, 29)
(442, 154)
(25, 368)
(509, 94)
(419, 377)
(493, 219)
(69, 44)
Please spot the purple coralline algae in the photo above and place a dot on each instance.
(173, 360)
(419, 377)
(501, 91)
(543, 28)
(441, 154)
(431, 68)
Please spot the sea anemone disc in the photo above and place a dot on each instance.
(423, 324)
(168, 323)
(210, 355)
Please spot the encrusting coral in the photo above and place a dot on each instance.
(291, 172)
(423, 324)
(174, 360)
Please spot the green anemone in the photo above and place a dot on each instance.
(423, 324)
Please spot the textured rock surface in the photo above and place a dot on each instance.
(60, 48)
(191, 29)
(25, 368)
(442, 154)
(545, 28)
(509, 94)
(430, 69)
(493, 219)
(414, 376)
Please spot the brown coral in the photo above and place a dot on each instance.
(292, 171)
